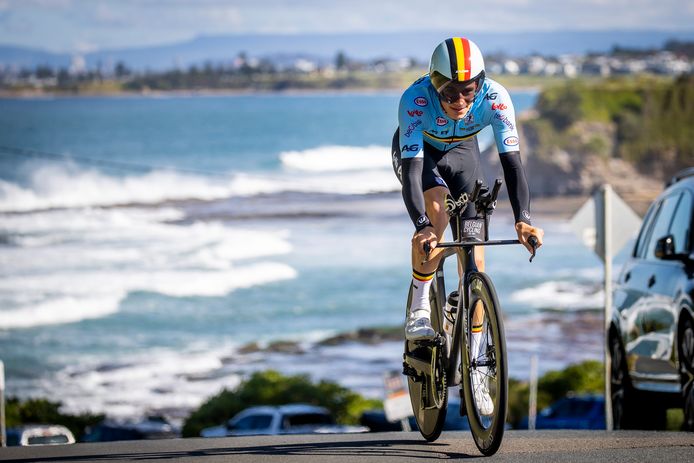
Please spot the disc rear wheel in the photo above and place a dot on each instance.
(429, 390)
(429, 395)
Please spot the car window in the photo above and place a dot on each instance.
(253, 422)
(661, 225)
(681, 224)
(308, 419)
(45, 440)
(640, 246)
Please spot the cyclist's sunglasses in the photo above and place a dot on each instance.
(451, 92)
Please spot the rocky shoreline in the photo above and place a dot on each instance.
(367, 336)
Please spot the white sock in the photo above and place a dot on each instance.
(421, 284)
(476, 341)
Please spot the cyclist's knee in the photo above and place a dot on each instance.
(479, 258)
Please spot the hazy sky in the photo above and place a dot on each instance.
(87, 25)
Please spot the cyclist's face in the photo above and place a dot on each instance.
(456, 98)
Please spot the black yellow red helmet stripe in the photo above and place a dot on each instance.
(459, 53)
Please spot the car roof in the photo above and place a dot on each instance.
(36, 427)
(301, 408)
(681, 175)
(291, 409)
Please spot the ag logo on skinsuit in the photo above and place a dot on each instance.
(411, 148)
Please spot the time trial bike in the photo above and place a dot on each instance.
(432, 366)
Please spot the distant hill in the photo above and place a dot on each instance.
(415, 44)
(30, 57)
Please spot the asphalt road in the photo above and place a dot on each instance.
(544, 446)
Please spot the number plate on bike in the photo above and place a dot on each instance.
(473, 230)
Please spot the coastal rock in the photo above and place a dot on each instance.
(366, 336)
(577, 167)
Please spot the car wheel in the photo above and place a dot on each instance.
(622, 394)
(686, 355)
(631, 409)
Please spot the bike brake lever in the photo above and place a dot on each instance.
(532, 241)
(427, 251)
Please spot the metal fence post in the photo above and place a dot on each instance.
(3, 436)
(608, 303)
(532, 400)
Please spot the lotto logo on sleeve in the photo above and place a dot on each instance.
(441, 121)
(421, 101)
(499, 106)
(511, 141)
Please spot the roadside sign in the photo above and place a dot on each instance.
(589, 223)
(397, 405)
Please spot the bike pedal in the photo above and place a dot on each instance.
(409, 371)
(437, 341)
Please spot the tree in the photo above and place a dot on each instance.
(43, 72)
(561, 106)
(341, 61)
(122, 70)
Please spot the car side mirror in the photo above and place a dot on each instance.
(665, 248)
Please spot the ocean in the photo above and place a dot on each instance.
(148, 240)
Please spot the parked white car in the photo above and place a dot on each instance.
(39, 434)
(284, 419)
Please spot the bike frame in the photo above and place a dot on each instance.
(466, 252)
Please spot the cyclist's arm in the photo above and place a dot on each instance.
(412, 192)
(410, 119)
(506, 136)
(517, 185)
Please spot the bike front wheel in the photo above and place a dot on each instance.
(485, 375)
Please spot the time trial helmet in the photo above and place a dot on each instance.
(456, 59)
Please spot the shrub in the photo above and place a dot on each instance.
(273, 388)
(43, 411)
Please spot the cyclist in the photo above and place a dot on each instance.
(435, 151)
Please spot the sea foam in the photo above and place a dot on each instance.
(329, 169)
(337, 158)
(560, 295)
(70, 265)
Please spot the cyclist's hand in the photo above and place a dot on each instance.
(525, 231)
(426, 235)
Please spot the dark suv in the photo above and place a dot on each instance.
(651, 335)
